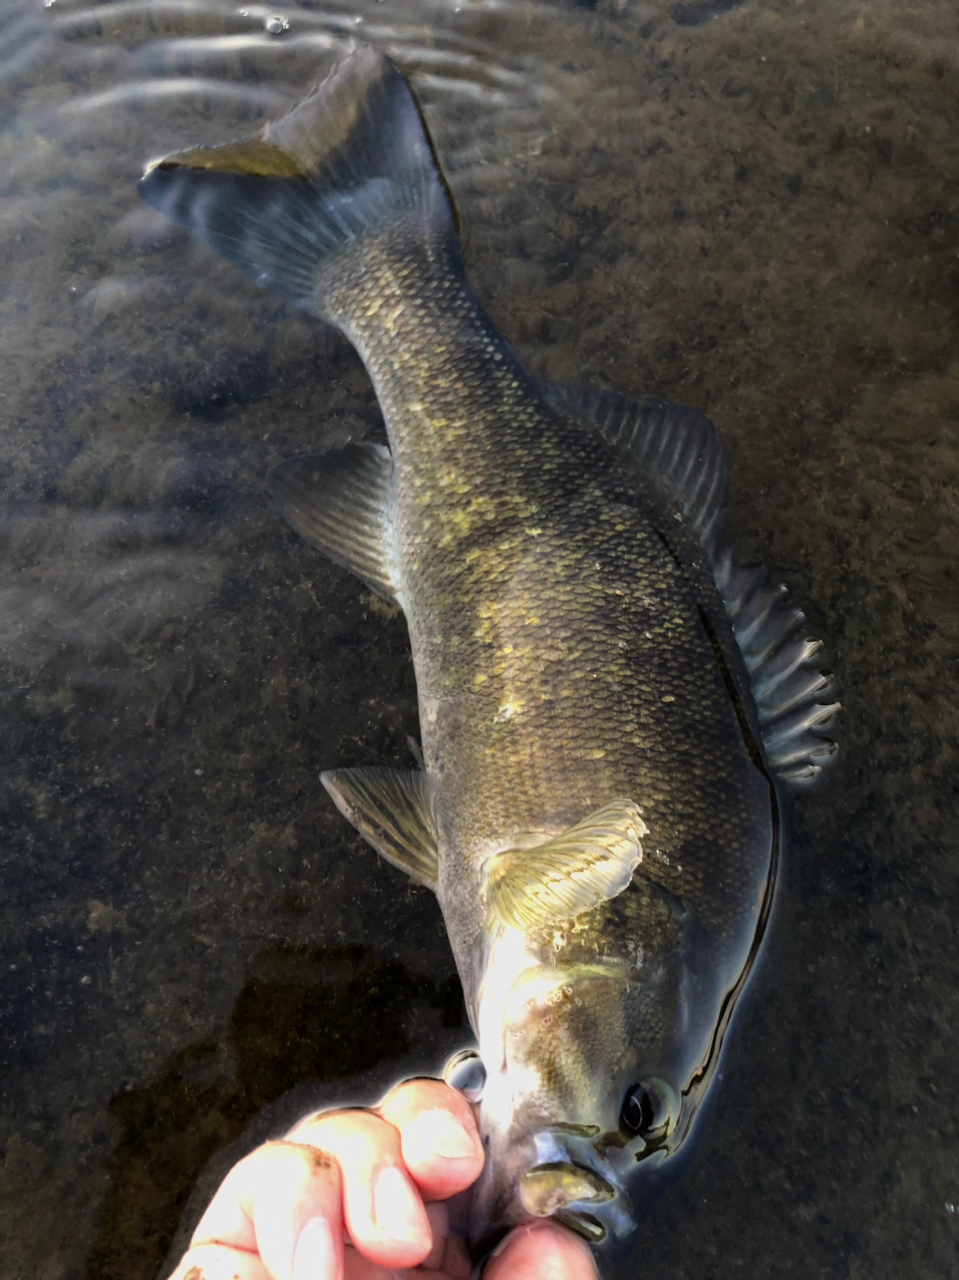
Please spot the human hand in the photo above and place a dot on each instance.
(361, 1195)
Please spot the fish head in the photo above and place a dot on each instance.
(583, 1091)
(598, 1056)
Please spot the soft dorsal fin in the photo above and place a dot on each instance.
(339, 501)
(391, 809)
(676, 445)
(792, 691)
(572, 873)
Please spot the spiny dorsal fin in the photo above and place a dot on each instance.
(572, 873)
(673, 443)
(339, 501)
(791, 689)
(391, 809)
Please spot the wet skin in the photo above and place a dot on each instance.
(360, 1195)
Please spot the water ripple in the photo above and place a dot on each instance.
(149, 91)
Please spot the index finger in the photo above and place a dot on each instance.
(439, 1137)
(436, 1128)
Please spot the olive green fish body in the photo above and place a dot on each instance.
(560, 649)
(606, 697)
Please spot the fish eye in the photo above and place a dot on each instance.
(645, 1109)
(466, 1074)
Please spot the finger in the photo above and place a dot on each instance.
(542, 1251)
(448, 1259)
(359, 1268)
(457, 1264)
(382, 1207)
(438, 1136)
(282, 1202)
(439, 1221)
(220, 1262)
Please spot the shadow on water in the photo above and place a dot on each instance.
(304, 1017)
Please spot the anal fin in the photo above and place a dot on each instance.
(572, 873)
(391, 809)
(339, 501)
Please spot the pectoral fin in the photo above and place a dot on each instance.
(570, 874)
(391, 809)
(339, 502)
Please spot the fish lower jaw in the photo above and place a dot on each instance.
(504, 1095)
(516, 983)
(552, 1174)
(513, 975)
(573, 1184)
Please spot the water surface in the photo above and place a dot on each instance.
(750, 208)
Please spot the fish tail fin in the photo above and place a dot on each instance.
(293, 204)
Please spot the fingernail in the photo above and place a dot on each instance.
(396, 1208)
(437, 1133)
(314, 1254)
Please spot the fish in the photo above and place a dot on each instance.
(610, 701)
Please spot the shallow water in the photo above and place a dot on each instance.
(750, 208)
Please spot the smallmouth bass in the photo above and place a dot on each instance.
(607, 699)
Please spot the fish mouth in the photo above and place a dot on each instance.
(583, 1223)
(569, 1178)
(573, 1194)
(567, 1192)
(548, 1187)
